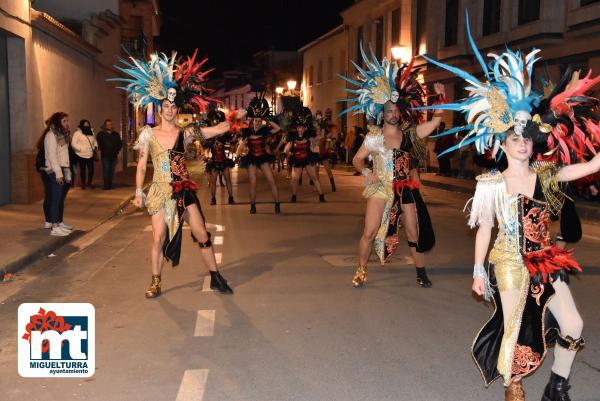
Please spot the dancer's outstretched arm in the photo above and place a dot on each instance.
(425, 129)
(579, 170)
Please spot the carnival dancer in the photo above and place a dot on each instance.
(218, 162)
(172, 195)
(534, 307)
(328, 148)
(299, 152)
(254, 152)
(387, 93)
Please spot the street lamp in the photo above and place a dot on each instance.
(279, 90)
(401, 53)
(291, 85)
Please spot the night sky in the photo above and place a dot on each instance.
(229, 32)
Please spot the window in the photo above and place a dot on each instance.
(311, 75)
(421, 25)
(379, 37)
(395, 27)
(320, 72)
(529, 10)
(330, 68)
(491, 16)
(343, 62)
(451, 33)
(359, 39)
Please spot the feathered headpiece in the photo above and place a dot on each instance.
(215, 117)
(259, 107)
(303, 117)
(502, 101)
(384, 82)
(564, 126)
(191, 82)
(160, 78)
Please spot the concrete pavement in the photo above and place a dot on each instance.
(294, 329)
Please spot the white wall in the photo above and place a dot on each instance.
(75, 9)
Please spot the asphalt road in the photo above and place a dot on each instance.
(295, 329)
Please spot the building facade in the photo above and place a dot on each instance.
(565, 30)
(47, 66)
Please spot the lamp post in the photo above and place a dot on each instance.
(401, 53)
(291, 84)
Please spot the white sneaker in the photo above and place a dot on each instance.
(47, 225)
(66, 226)
(59, 232)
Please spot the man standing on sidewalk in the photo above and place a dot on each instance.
(110, 144)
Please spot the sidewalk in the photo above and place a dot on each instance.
(585, 209)
(21, 226)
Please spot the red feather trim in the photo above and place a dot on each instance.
(548, 261)
(409, 183)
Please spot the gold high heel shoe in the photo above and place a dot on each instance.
(154, 290)
(514, 392)
(360, 277)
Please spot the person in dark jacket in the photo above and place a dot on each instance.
(110, 145)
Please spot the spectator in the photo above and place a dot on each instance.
(348, 144)
(56, 157)
(84, 144)
(110, 144)
(441, 144)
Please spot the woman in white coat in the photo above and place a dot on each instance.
(84, 144)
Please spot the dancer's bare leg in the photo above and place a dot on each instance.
(312, 173)
(159, 234)
(194, 219)
(565, 311)
(266, 169)
(213, 183)
(295, 177)
(227, 174)
(252, 182)
(373, 214)
(410, 223)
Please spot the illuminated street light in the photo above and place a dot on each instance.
(291, 85)
(401, 53)
(279, 90)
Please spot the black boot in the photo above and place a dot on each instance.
(252, 208)
(332, 181)
(213, 201)
(321, 198)
(231, 201)
(422, 278)
(217, 282)
(277, 208)
(293, 200)
(557, 389)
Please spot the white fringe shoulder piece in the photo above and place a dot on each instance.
(143, 141)
(374, 140)
(490, 200)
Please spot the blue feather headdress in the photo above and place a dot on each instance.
(504, 100)
(149, 82)
(373, 87)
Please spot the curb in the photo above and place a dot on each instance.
(48, 248)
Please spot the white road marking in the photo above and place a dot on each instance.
(93, 235)
(591, 237)
(219, 257)
(206, 284)
(192, 385)
(217, 227)
(205, 323)
(218, 240)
